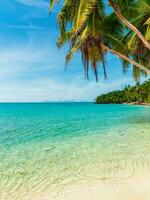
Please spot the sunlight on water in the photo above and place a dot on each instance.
(45, 147)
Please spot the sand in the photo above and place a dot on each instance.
(133, 188)
(136, 188)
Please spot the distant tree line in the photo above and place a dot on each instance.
(140, 93)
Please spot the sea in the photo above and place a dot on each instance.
(45, 147)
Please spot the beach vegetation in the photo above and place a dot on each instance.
(138, 94)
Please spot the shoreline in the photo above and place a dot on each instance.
(125, 103)
(137, 104)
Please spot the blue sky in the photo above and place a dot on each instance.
(31, 66)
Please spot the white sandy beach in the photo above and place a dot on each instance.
(136, 188)
(133, 188)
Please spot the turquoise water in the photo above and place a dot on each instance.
(45, 147)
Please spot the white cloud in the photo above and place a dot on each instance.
(23, 62)
(41, 4)
(51, 89)
(29, 27)
(28, 58)
(25, 54)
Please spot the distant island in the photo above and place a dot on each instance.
(138, 94)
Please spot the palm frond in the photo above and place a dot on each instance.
(52, 3)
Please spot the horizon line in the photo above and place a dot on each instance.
(47, 102)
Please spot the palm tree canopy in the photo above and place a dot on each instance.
(87, 26)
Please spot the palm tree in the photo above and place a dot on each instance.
(139, 15)
(128, 24)
(87, 34)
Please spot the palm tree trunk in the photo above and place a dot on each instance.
(128, 24)
(126, 58)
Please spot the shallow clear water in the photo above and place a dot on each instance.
(45, 147)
